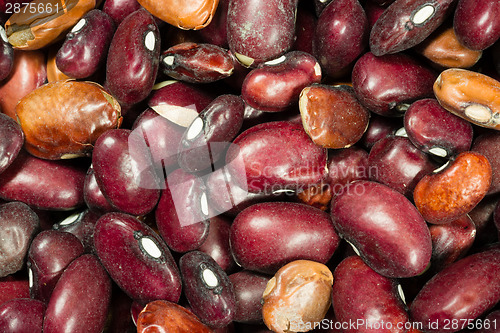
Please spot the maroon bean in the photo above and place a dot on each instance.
(373, 11)
(136, 38)
(208, 289)
(305, 26)
(378, 128)
(385, 227)
(460, 293)
(216, 245)
(248, 289)
(405, 23)
(346, 166)
(11, 141)
(488, 144)
(118, 10)
(490, 323)
(22, 315)
(13, 287)
(81, 225)
(341, 36)
(216, 32)
(80, 300)
(86, 45)
(434, 130)
(18, 225)
(136, 258)
(51, 251)
(304, 232)
(93, 196)
(6, 55)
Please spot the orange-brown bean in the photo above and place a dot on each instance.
(298, 296)
(447, 195)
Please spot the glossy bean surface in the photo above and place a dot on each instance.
(248, 287)
(22, 315)
(11, 141)
(6, 55)
(216, 245)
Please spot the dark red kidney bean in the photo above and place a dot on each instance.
(341, 36)
(397, 163)
(362, 295)
(51, 251)
(81, 298)
(276, 85)
(137, 37)
(208, 289)
(206, 139)
(44, 184)
(216, 32)
(93, 196)
(124, 173)
(463, 291)
(260, 31)
(496, 218)
(304, 232)
(22, 315)
(119, 312)
(385, 227)
(80, 224)
(451, 241)
(196, 63)
(482, 215)
(11, 141)
(182, 213)
(378, 128)
(86, 45)
(12, 287)
(6, 55)
(490, 323)
(305, 26)
(248, 289)
(406, 23)
(118, 10)
(346, 166)
(434, 130)
(476, 23)
(216, 245)
(488, 145)
(18, 225)
(136, 258)
(373, 11)
(276, 156)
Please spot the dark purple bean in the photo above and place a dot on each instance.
(120, 313)
(488, 144)
(346, 166)
(209, 135)
(460, 293)
(266, 236)
(22, 315)
(384, 84)
(216, 245)
(216, 32)
(476, 23)
(305, 26)
(124, 173)
(6, 55)
(44, 184)
(434, 130)
(80, 300)
(136, 258)
(93, 196)
(182, 213)
(496, 218)
(11, 141)
(208, 289)
(248, 288)
(373, 11)
(405, 23)
(362, 295)
(137, 38)
(118, 10)
(18, 225)
(86, 45)
(483, 217)
(260, 31)
(385, 227)
(490, 324)
(81, 225)
(378, 128)
(50, 253)
(341, 36)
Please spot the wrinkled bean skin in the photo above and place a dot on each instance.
(305, 233)
(86, 47)
(22, 315)
(275, 156)
(211, 297)
(396, 242)
(6, 55)
(11, 141)
(169, 317)
(216, 245)
(476, 23)
(360, 293)
(123, 171)
(93, 196)
(180, 215)
(398, 164)
(260, 31)
(383, 83)
(276, 85)
(447, 195)
(406, 23)
(18, 226)
(137, 38)
(464, 290)
(51, 251)
(488, 144)
(297, 296)
(434, 130)
(118, 10)
(80, 300)
(136, 258)
(63, 119)
(332, 116)
(341, 36)
(82, 226)
(44, 184)
(470, 95)
(248, 287)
